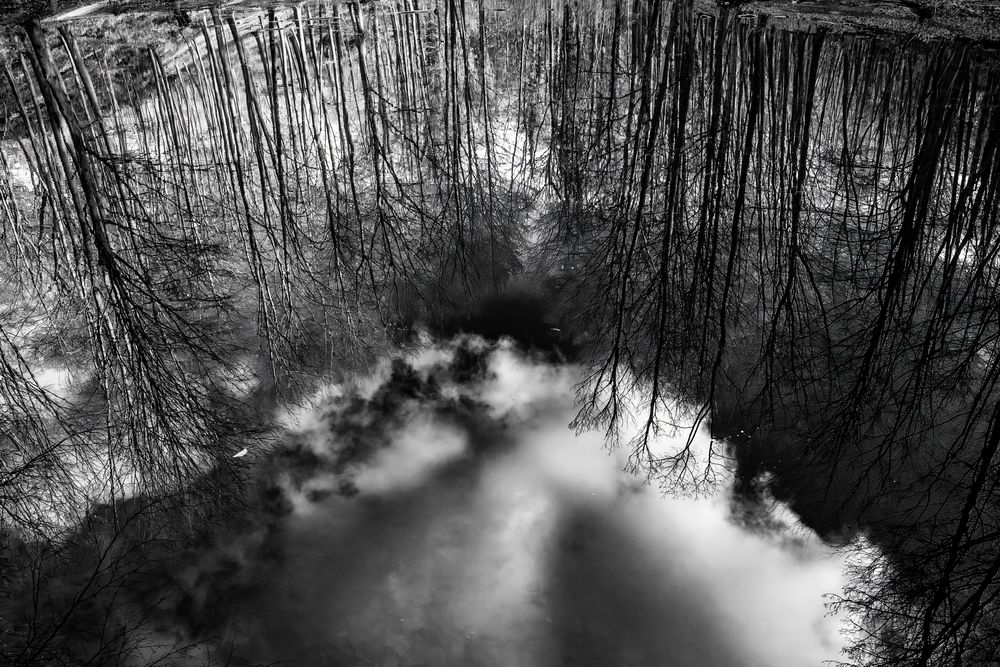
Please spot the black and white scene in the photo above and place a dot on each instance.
(500, 333)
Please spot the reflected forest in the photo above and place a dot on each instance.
(500, 332)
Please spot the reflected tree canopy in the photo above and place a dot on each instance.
(792, 227)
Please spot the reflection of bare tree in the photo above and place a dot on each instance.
(292, 169)
(146, 340)
(804, 238)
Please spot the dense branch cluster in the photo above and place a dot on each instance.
(798, 227)
(805, 236)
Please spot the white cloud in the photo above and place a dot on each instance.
(414, 454)
(541, 550)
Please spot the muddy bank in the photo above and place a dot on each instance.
(925, 20)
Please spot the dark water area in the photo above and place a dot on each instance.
(530, 319)
(344, 599)
(605, 601)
